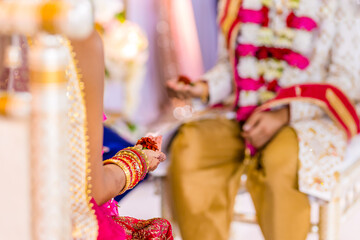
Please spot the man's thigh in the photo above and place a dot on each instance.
(279, 158)
(206, 144)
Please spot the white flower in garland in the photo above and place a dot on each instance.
(303, 41)
(267, 3)
(264, 95)
(284, 38)
(282, 42)
(252, 4)
(262, 66)
(254, 98)
(278, 23)
(272, 74)
(276, 64)
(293, 4)
(248, 98)
(273, 70)
(266, 36)
(248, 68)
(249, 34)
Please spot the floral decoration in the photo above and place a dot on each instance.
(148, 143)
(126, 53)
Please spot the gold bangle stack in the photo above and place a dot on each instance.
(134, 163)
(126, 171)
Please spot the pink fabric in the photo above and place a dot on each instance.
(114, 227)
(292, 58)
(244, 113)
(303, 23)
(246, 50)
(249, 84)
(297, 60)
(251, 16)
(108, 229)
(112, 207)
(262, 17)
(251, 148)
(255, 16)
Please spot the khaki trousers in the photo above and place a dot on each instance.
(205, 171)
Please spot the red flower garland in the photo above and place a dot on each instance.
(272, 86)
(148, 143)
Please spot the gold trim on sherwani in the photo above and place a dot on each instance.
(330, 98)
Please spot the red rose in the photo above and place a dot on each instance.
(272, 85)
(276, 53)
(262, 80)
(262, 53)
(184, 80)
(290, 20)
(265, 13)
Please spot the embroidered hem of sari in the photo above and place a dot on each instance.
(114, 227)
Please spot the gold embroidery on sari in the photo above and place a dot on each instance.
(85, 225)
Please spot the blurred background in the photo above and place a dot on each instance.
(148, 45)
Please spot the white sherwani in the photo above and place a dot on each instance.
(334, 53)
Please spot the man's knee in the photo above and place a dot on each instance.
(280, 157)
(205, 144)
(186, 146)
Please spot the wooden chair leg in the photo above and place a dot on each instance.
(329, 220)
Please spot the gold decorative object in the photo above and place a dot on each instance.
(49, 156)
(59, 167)
(68, 17)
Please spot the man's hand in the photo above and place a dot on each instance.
(180, 90)
(262, 126)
